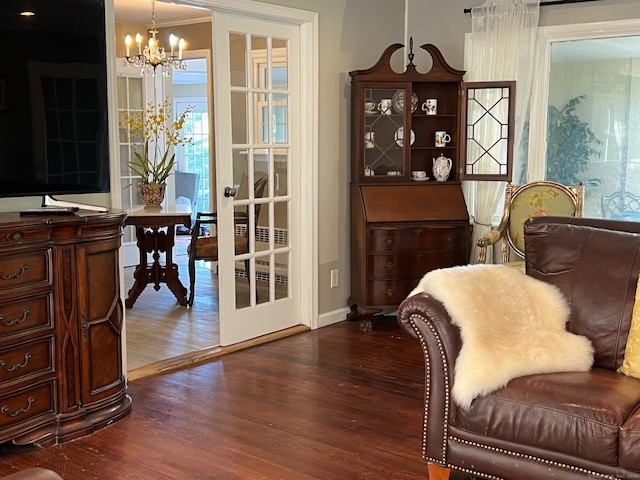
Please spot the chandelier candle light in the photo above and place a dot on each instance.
(153, 55)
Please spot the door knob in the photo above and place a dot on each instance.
(230, 191)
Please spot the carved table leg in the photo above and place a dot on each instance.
(153, 240)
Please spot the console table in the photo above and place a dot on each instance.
(155, 233)
(61, 325)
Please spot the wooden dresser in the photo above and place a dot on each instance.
(61, 363)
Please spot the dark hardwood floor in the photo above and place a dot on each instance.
(333, 403)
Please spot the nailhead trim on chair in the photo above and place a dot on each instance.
(427, 386)
(536, 459)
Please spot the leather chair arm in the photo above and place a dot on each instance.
(425, 318)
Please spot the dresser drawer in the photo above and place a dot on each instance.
(423, 238)
(389, 292)
(412, 264)
(24, 269)
(25, 314)
(26, 404)
(26, 359)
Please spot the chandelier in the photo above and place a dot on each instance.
(151, 55)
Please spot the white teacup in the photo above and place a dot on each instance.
(385, 106)
(442, 138)
(430, 106)
(418, 174)
(369, 107)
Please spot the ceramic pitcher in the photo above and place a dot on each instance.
(441, 168)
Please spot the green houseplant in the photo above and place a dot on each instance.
(570, 143)
(157, 132)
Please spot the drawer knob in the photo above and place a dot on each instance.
(15, 321)
(27, 357)
(389, 293)
(417, 230)
(17, 237)
(13, 276)
(389, 241)
(389, 266)
(20, 411)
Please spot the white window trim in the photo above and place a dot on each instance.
(540, 94)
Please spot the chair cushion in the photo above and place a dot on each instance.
(545, 410)
(629, 453)
(207, 247)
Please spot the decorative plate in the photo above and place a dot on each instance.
(399, 136)
(398, 101)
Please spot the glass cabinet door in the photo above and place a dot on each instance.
(384, 139)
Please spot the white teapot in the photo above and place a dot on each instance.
(441, 168)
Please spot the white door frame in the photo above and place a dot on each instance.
(308, 24)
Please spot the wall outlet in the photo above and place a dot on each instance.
(335, 279)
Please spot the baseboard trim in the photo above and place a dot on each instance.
(336, 316)
(206, 354)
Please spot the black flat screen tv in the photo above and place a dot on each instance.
(54, 135)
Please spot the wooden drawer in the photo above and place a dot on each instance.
(25, 314)
(412, 264)
(24, 269)
(26, 404)
(25, 359)
(389, 292)
(422, 238)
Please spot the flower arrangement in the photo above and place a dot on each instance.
(156, 129)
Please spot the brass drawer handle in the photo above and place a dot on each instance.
(27, 357)
(16, 321)
(389, 293)
(389, 266)
(417, 230)
(20, 411)
(389, 241)
(13, 276)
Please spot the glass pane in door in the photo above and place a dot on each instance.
(260, 132)
(384, 135)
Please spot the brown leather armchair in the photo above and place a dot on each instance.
(567, 425)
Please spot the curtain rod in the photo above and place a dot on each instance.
(549, 3)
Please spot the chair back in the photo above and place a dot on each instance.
(534, 199)
(621, 206)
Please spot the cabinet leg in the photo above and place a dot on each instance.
(364, 315)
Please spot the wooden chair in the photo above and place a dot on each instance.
(524, 201)
(621, 206)
(206, 247)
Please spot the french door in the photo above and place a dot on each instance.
(258, 155)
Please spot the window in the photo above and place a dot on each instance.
(585, 111)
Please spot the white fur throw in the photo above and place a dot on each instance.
(511, 325)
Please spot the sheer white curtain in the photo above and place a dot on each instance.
(502, 47)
